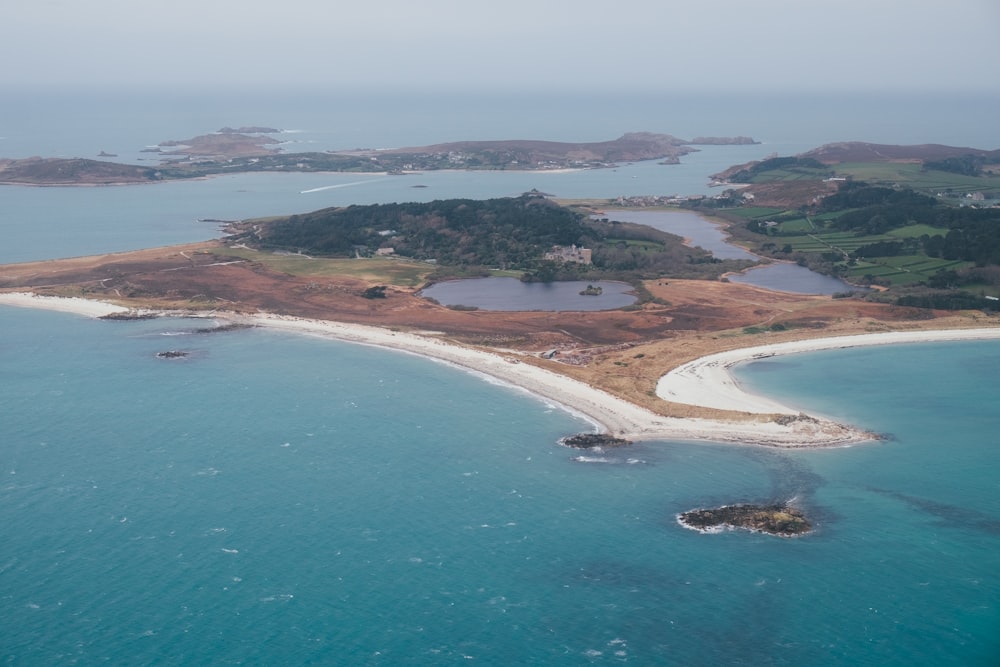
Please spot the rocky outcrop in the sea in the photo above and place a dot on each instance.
(782, 520)
(593, 440)
(232, 326)
(127, 315)
(172, 354)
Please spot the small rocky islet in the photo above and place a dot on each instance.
(593, 441)
(778, 519)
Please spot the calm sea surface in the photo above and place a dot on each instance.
(273, 499)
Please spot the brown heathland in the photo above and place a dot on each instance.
(624, 352)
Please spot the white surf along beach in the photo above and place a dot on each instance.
(704, 382)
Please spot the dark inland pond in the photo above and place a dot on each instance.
(513, 295)
(786, 277)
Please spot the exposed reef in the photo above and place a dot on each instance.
(129, 315)
(593, 440)
(778, 519)
(233, 326)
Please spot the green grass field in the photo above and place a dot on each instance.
(914, 176)
(381, 270)
(813, 234)
(904, 269)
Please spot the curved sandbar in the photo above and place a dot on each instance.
(708, 382)
(610, 413)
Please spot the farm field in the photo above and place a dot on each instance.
(914, 176)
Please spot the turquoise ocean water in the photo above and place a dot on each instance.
(274, 499)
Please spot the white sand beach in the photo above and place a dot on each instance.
(705, 381)
(708, 382)
(86, 307)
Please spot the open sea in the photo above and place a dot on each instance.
(278, 499)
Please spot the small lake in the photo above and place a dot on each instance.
(784, 277)
(513, 295)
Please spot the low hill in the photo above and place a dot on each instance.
(462, 235)
(629, 147)
(856, 151)
(77, 171)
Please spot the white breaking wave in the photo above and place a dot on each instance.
(338, 185)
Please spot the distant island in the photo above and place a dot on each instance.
(253, 149)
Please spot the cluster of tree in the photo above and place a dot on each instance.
(882, 249)
(496, 232)
(973, 238)
(966, 165)
(947, 300)
(858, 194)
(508, 233)
(748, 174)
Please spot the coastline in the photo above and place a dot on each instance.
(705, 381)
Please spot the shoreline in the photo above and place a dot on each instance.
(699, 380)
(708, 382)
(204, 177)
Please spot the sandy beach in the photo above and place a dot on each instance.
(706, 381)
(86, 307)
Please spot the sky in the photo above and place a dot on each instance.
(657, 45)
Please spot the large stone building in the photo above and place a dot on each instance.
(561, 253)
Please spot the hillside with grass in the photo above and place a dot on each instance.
(922, 223)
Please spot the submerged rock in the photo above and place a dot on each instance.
(779, 519)
(127, 315)
(222, 328)
(172, 354)
(592, 440)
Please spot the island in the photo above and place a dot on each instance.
(254, 149)
(780, 519)
(658, 368)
